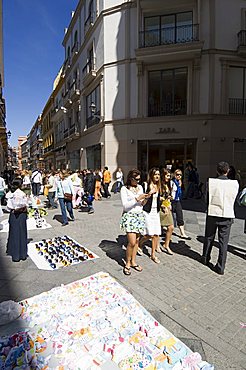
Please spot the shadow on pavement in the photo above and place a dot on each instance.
(184, 250)
(237, 251)
(7, 292)
(114, 249)
(196, 205)
(58, 218)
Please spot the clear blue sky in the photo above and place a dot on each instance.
(33, 54)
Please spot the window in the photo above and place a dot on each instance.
(237, 90)
(90, 19)
(167, 93)
(93, 107)
(169, 29)
(91, 10)
(75, 38)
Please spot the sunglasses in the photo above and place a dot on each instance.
(178, 174)
(134, 179)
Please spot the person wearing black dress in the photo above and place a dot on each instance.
(17, 238)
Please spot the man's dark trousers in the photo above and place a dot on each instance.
(224, 227)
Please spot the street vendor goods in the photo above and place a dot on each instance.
(60, 251)
(93, 324)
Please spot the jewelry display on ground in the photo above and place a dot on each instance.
(60, 251)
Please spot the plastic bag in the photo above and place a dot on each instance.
(9, 311)
(242, 198)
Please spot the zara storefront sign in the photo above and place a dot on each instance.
(167, 130)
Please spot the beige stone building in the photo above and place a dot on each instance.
(150, 82)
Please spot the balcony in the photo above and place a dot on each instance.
(88, 23)
(237, 106)
(93, 119)
(241, 49)
(169, 35)
(177, 107)
(75, 90)
(89, 71)
(74, 130)
(75, 48)
(66, 66)
(169, 43)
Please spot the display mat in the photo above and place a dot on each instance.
(60, 251)
(96, 324)
(31, 225)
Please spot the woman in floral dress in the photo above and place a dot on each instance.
(132, 220)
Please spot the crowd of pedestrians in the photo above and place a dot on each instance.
(150, 208)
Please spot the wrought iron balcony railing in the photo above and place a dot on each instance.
(90, 66)
(241, 36)
(169, 35)
(177, 107)
(237, 106)
(93, 119)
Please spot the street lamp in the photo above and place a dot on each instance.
(9, 134)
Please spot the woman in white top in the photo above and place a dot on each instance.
(17, 238)
(152, 212)
(132, 220)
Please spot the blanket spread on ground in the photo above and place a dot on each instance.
(94, 324)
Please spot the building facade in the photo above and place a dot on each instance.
(150, 83)
(3, 134)
(21, 139)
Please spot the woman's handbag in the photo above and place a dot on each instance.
(68, 196)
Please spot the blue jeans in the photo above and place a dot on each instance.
(118, 186)
(51, 197)
(63, 205)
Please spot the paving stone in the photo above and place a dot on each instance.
(185, 296)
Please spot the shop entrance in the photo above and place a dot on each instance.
(160, 153)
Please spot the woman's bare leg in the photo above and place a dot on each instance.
(168, 238)
(132, 238)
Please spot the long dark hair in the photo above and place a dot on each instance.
(165, 186)
(151, 175)
(132, 174)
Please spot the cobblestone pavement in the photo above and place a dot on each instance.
(200, 307)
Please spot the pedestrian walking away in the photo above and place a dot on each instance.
(106, 182)
(176, 184)
(222, 193)
(36, 180)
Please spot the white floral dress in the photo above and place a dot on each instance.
(133, 219)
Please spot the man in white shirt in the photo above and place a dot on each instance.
(36, 181)
(222, 193)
